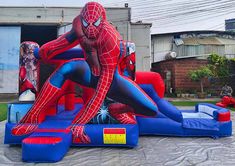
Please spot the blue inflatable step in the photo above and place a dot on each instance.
(46, 145)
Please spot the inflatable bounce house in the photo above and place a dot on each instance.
(226, 101)
(117, 103)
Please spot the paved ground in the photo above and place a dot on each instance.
(151, 151)
(192, 99)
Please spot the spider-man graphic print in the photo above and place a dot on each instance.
(102, 47)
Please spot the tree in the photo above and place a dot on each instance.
(219, 66)
(199, 75)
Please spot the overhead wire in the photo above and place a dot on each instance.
(206, 18)
(215, 7)
(183, 13)
(187, 10)
(217, 26)
(173, 13)
(182, 10)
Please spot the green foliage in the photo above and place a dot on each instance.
(3, 112)
(199, 74)
(191, 103)
(219, 66)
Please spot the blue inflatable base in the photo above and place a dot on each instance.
(44, 151)
(204, 121)
(51, 141)
(168, 127)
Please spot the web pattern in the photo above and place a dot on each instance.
(91, 14)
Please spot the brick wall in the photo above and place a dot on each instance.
(182, 67)
(179, 69)
(163, 67)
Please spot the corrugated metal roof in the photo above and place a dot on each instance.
(196, 32)
(226, 41)
(178, 41)
(202, 41)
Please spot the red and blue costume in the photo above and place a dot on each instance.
(25, 84)
(101, 69)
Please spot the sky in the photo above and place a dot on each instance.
(165, 16)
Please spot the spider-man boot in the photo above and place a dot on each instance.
(122, 113)
(48, 95)
(79, 135)
(78, 129)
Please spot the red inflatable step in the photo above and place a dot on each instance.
(42, 140)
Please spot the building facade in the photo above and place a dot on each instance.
(175, 74)
(175, 54)
(43, 24)
(192, 44)
(230, 24)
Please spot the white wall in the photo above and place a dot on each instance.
(161, 45)
(140, 35)
(9, 59)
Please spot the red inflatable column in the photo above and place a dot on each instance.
(87, 94)
(70, 98)
(153, 79)
(28, 72)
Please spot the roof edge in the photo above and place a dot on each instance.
(199, 31)
(72, 7)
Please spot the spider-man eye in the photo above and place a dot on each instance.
(84, 23)
(97, 23)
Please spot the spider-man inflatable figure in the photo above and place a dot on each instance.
(103, 48)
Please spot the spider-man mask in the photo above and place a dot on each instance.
(92, 17)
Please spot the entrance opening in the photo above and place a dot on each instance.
(40, 34)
